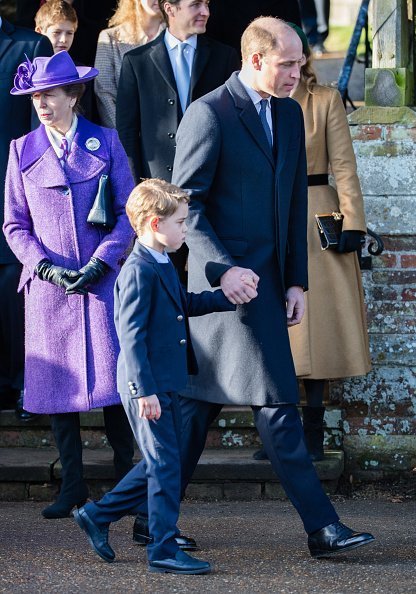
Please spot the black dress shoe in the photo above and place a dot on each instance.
(182, 563)
(98, 537)
(142, 537)
(21, 413)
(336, 538)
(260, 455)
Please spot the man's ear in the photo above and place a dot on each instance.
(256, 61)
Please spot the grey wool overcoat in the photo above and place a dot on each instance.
(71, 345)
(248, 208)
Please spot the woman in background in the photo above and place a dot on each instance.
(134, 23)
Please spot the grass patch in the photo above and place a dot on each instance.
(339, 39)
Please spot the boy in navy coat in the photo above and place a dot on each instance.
(151, 317)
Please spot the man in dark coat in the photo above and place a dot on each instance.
(16, 120)
(154, 91)
(241, 156)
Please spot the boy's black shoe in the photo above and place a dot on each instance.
(142, 537)
(98, 537)
(182, 563)
(336, 538)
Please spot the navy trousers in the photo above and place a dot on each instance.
(153, 485)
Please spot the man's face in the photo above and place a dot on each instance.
(279, 70)
(188, 17)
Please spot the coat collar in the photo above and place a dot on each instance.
(166, 281)
(249, 115)
(40, 163)
(6, 30)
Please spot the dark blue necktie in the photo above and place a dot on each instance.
(263, 119)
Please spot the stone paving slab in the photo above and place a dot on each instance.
(256, 547)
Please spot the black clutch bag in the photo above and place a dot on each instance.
(330, 229)
(102, 211)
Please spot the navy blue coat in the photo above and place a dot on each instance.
(248, 208)
(156, 352)
(16, 111)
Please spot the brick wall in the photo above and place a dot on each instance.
(380, 409)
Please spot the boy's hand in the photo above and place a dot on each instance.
(249, 280)
(149, 408)
(295, 305)
(234, 287)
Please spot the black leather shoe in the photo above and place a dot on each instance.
(182, 563)
(260, 455)
(21, 413)
(336, 538)
(98, 537)
(141, 535)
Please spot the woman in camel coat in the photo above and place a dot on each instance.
(331, 341)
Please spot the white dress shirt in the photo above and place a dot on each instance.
(256, 98)
(172, 43)
(161, 258)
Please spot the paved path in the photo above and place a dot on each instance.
(255, 547)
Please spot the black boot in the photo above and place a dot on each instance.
(74, 491)
(313, 427)
(121, 439)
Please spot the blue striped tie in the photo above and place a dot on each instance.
(183, 75)
(263, 119)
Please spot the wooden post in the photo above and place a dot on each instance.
(389, 82)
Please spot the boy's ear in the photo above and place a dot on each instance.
(38, 29)
(154, 223)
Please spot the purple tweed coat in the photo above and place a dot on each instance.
(71, 343)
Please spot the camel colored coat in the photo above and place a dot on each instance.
(331, 342)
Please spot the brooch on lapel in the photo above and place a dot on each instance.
(93, 144)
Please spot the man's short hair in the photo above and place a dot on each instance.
(261, 36)
(162, 8)
(55, 11)
(153, 197)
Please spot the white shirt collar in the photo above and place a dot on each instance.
(160, 258)
(172, 41)
(55, 138)
(254, 95)
(1, 22)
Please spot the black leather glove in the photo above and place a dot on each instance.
(91, 273)
(57, 275)
(350, 241)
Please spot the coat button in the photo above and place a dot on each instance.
(179, 318)
(171, 135)
(169, 168)
(64, 191)
(134, 392)
(129, 383)
(182, 342)
(171, 101)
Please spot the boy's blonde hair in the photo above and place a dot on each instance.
(55, 11)
(153, 197)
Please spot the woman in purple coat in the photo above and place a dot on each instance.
(69, 266)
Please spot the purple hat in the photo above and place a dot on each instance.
(46, 73)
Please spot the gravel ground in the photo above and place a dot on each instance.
(254, 547)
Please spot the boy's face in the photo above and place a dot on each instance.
(61, 35)
(170, 232)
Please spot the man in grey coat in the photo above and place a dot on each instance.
(241, 155)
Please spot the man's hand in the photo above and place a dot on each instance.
(295, 305)
(235, 288)
(149, 408)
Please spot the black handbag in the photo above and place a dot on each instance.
(102, 211)
(330, 229)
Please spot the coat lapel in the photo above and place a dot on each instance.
(249, 116)
(142, 251)
(38, 161)
(282, 133)
(160, 58)
(202, 54)
(5, 40)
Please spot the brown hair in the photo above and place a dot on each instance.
(260, 36)
(307, 72)
(77, 90)
(153, 197)
(55, 11)
(129, 13)
(162, 9)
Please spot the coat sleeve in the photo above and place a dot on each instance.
(105, 84)
(128, 116)
(196, 160)
(17, 226)
(114, 244)
(200, 304)
(133, 293)
(296, 264)
(343, 166)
